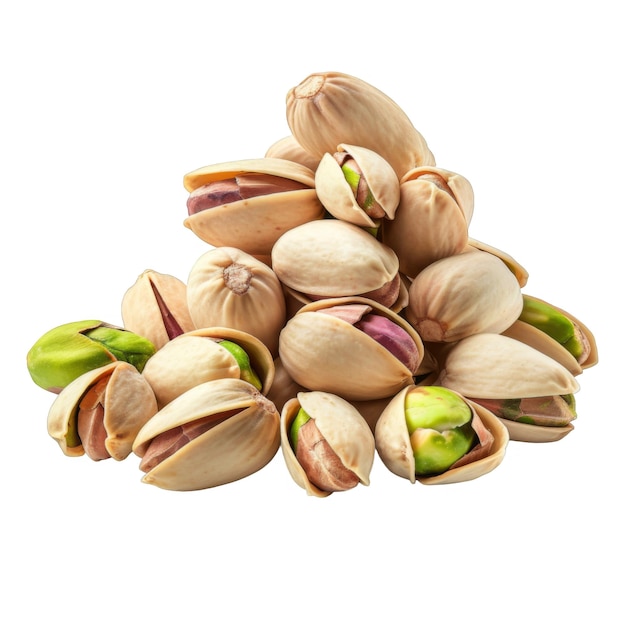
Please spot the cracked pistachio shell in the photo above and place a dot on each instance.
(394, 446)
(254, 224)
(492, 366)
(232, 449)
(321, 352)
(343, 428)
(332, 258)
(288, 148)
(230, 288)
(197, 357)
(155, 307)
(520, 273)
(129, 403)
(337, 196)
(329, 108)
(432, 218)
(462, 295)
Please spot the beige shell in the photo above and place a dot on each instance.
(323, 353)
(329, 108)
(128, 404)
(230, 288)
(432, 218)
(196, 357)
(155, 307)
(231, 450)
(332, 258)
(343, 427)
(337, 196)
(288, 148)
(492, 366)
(520, 273)
(462, 295)
(394, 446)
(253, 225)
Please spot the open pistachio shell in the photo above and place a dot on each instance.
(324, 353)
(155, 307)
(394, 446)
(531, 433)
(232, 449)
(343, 428)
(336, 194)
(254, 224)
(197, 357)
(288, 148)
(461, 295)
(432, 218)
(129, 403)
(328, 108)
(230, 288)
(520, 273)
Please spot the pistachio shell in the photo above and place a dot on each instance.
(520, 273)
(342, 426)
(324, 353)
(462, 295)
(128, 404)
(328, 108)
(288, 148)
(231, 450)
(531, 433)
(254, 224)
(488, 365)
(338, 197)
(228, 287)
(432, 218)
(394, 446)
(155, 307)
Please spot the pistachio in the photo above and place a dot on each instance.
(288, 148)
(248, 204)
(328, 108)
(155, 307)
(327, 444)
(67, 351)
(101, 411)
(214, 433)
(520, 272)
(436, 436)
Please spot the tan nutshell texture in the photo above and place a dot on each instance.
(330, 108)
(288, 148)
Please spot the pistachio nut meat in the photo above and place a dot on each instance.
(432, 219)
(332, 258)
(288, 148)
(208, 354)
(461, 295)
(214, 433)
(327, 444)
(248, 204)
(352, 347)
(155, 307)
(436, 436)
(329, 108)
(65, 352)
(101, 411)
(228, 287)
(528, 390)
(357, 185)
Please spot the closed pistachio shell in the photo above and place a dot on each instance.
(128, 404)
(231, 449)
(230, 288)
(488, 365)
(463, 295)
(343, 428)
(253, 224)
(155, 307)
(337, 195)
(324, 353)
(288, 148)
(329, 108)
(394, 446)
(432, 218)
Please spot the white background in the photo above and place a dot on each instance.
(106, 106)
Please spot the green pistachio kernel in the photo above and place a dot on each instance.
(247, 373)
(300, 420)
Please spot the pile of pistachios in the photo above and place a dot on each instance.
(341, 310)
